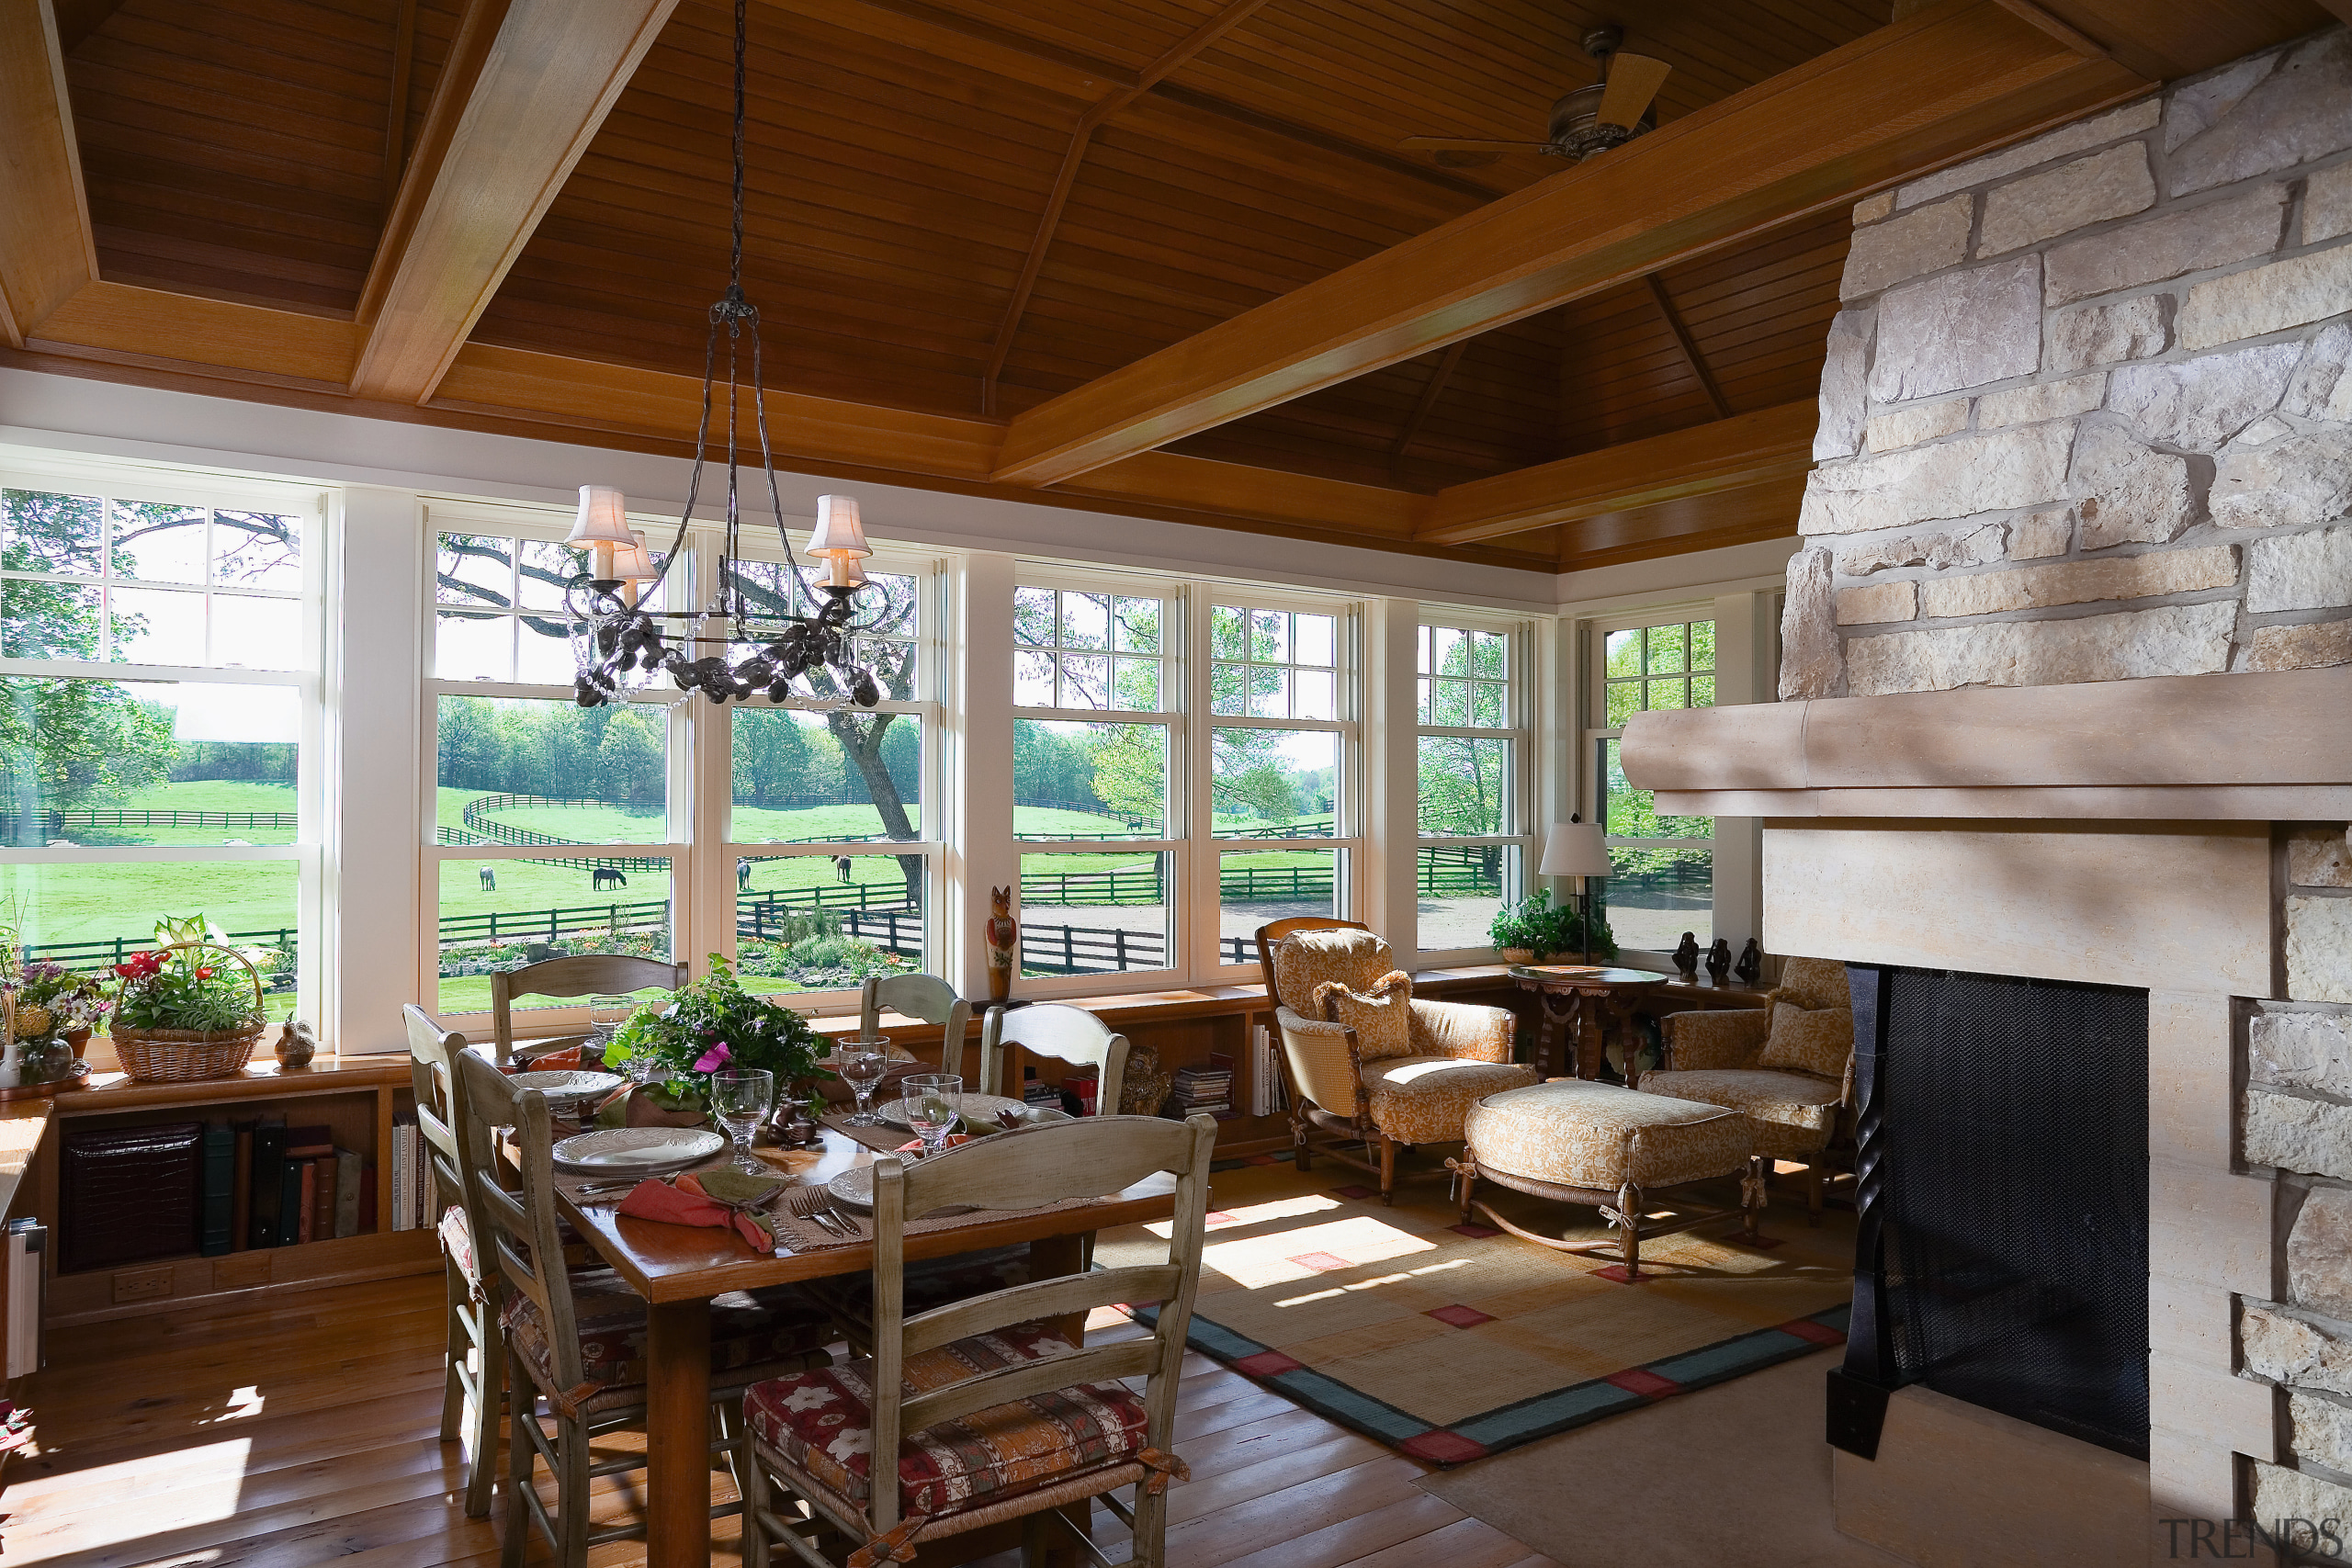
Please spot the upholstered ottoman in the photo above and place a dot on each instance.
(1581, 1142)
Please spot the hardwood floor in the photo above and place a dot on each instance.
(297, 1429)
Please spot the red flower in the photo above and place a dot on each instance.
(204, 974)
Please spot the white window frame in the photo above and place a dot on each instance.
(1175, 664)
(1520, 729)
(1206, 911)
(216, 492)
(699, 736)
(1596, 729)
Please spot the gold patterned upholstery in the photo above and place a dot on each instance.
(1794, 1113)
(1304, 960)
(1574, 1133)
(1380, 1016)
(1425, 1099)
(1808, 1040)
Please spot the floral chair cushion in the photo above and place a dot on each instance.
(457, 1241)
(1303, 960)
(1580, 1134)
(1424, 1099)
(1793, 1113)
(1817, 1041)
(1814, 984)
(821, 1423)
(1381, 1014)
(748, 1328)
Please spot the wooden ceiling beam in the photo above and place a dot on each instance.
(1725, 453)
(525, 86)
(1431, 390)
(47, 254)
(1683, 341)
(1940, 85)
(1232, 15)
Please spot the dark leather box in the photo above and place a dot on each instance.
(127, 1194)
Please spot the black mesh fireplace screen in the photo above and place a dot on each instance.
(2014, 1121)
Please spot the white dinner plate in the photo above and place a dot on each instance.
(638, 1148)
(853, 1188)
(569, 1084)
(978, 1107)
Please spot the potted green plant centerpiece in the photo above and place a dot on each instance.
(1542, 928)
(711, 1025)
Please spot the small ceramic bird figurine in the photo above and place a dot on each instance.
(1751, 967)
(1686, 957)
(1719, 960)
(296, 1044)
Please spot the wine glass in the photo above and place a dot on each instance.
(934, 1101)
(606, 1014)
(741, 1097)
(861, 1064)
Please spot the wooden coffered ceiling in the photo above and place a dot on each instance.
(1156, 257)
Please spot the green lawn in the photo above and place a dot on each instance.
(200, 795)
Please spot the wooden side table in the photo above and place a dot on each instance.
(1589, 997)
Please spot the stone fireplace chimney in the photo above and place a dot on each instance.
(2067, 694)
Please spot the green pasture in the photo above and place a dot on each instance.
(90, 903)
(198, 795)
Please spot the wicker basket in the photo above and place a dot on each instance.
(179, 1055)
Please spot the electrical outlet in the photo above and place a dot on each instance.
(143, 1284)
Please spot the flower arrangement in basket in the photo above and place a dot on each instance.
(183, 1011)
(46, 1011)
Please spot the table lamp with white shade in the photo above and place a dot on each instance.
(1577, 850)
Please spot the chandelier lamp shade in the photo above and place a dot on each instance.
(805, 649)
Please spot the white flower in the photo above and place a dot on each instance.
(809, 1397)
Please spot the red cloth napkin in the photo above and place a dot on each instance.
(686, 1204)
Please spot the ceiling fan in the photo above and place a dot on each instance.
(1610, 113)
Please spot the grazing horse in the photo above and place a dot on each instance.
(841, 868)
(489, 880)
(605, 876)
(743, 873)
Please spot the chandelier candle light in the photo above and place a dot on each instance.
(619, 646)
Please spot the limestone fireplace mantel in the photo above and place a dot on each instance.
(2181, 835)
(2247, 747)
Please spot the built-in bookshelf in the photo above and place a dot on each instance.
(296, 1187)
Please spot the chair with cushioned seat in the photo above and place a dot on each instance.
(1787, 1066)
(1440, 1059)
(926, 996)
(477, 1353)
(580, 975)
(982, 1411)
(577, 1340)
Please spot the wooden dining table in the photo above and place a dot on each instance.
(678, 1270)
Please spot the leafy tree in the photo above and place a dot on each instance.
(1462, 784)
(1131, 772)
(629, 759)
(1246, 775)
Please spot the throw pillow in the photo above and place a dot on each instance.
(1303, 960)
(1381, 1016)
(1816, 1041)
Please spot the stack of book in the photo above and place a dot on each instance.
(267, 1184)
(1208, 1089)
(411, 1177)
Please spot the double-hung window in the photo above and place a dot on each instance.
(664, 826)
(1275, 798)
(830, 867)
(1472, 749)
(1663, 882)
(159, 718)
(1097, 744)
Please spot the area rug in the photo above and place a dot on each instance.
(1450, 1342)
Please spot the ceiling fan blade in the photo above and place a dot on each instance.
(1464, 145)
(1633, 80)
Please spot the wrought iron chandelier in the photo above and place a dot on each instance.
(619, 646)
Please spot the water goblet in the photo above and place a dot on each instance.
(740, 1099)
(934, 1101)
(862, 1064)
(606, 1014)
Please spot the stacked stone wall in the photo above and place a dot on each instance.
(2087, 414)
(2296, 1126)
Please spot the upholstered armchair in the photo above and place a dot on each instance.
(1354, 1083)
(1787, 1066)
